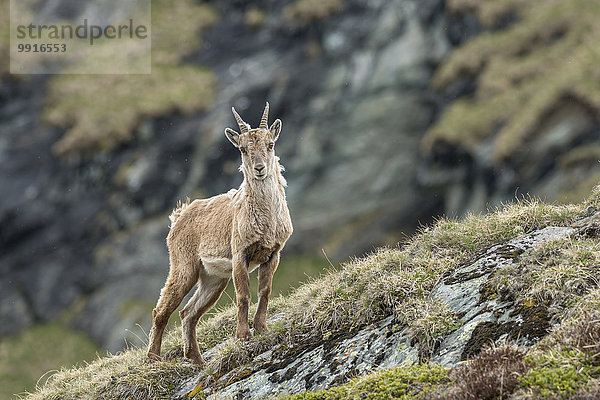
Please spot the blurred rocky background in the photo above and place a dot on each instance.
(394, 112)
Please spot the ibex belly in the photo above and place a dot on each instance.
(222, 267)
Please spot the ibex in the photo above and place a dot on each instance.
(229, 234)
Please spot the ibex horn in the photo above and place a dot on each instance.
(264, 121)
(244, 127)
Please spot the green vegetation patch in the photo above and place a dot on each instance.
(100, 112)
(558, 372)
(103, 111)
(37, 351)
(523, 72)
(404, 382)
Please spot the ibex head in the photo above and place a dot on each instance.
(256, 145)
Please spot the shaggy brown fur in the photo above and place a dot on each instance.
(227, 235)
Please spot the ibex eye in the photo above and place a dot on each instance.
(270, 147)
(243, 150)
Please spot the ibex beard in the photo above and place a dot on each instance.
(228, 235)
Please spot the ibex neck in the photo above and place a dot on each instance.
(267, 190)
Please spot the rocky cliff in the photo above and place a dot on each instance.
(514, 293)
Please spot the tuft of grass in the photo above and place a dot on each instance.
(303, 12)
(555, 273)
(429, 322)
(124, 376)
(593, 201)
(404, 382)
(100, 112)
(523, 72)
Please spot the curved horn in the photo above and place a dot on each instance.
(244, 127)
(264, 121)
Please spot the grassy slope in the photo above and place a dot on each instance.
(562, 275)
(389, 281)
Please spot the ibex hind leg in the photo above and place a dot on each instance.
(179, 282)
(208, 292)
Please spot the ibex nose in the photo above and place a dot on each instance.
(259, 168)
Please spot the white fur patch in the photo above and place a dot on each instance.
(221, 267)
(252, 267)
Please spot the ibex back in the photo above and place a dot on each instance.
(227, 235)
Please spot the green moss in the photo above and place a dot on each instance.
(523, 72)
(404, 382)
(37, 351)
(558, 373)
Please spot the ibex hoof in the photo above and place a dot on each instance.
(196, 359)
(260, 328)
(243, 334)
(153, 357)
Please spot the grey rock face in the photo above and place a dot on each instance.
(484, 320)
(487, 320)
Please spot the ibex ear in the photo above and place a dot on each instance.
(275, 129)
(233, 136)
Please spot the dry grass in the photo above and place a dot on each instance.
(99, 112)
(493, 374)
(387, 282)
(303, 12)
(103, 111)
(523, 72)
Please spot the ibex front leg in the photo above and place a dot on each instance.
(241, 282)
(265, 280)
